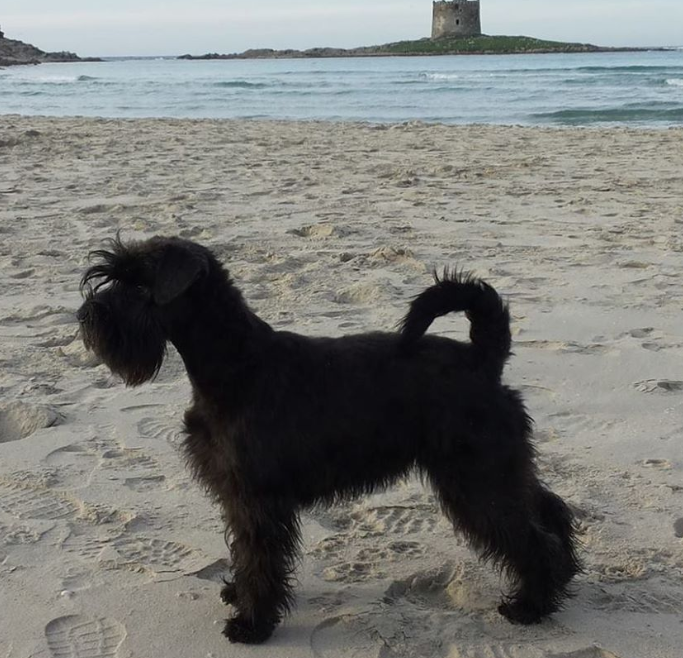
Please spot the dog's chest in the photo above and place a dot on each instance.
(209, 453)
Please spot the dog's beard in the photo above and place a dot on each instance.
(132, 345)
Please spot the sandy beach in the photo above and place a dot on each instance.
(108, 549)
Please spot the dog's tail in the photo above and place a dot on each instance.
(488, 314)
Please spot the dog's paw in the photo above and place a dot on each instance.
(240, 630)
(519, 613)
(229, 593)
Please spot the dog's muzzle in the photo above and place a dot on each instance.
(83, 314)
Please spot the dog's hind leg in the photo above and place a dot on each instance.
(502, 519)
(264, 548)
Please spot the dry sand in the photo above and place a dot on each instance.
(108, 548)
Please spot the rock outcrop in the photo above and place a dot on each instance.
(14, 52)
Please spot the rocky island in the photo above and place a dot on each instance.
(474, 45)
(13, 52)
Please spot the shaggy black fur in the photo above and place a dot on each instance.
(280, 422)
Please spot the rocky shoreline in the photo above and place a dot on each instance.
(14, 53)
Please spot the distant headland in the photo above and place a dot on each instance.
(13, 52)
(473, 45)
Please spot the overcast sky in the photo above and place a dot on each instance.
(172, 27)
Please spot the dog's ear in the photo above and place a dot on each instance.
(179, 268)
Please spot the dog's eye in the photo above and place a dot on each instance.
(142, 290)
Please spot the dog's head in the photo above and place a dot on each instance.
(132, 291)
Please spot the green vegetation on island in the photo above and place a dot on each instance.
(483, 45)
(477, 45)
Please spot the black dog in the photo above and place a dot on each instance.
(280, 422)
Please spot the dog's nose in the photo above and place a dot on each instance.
(83, 314)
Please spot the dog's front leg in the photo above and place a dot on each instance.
(228, 592)
(264, 547)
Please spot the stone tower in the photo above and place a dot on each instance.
(456, 19)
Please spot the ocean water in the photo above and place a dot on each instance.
(633, 89)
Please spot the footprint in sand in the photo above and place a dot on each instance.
(622, 571)
(568, 422)
(468, 588)
(361, 293)
(643, 332)
(502, 650)
(137, 407)
(352, 572)
(79, 580)
(652, 346)
(659, 386)
(161, 429)
(42, 316)
(156, 555)
(399, 520)
(524, 651)
(19, 420)
(399, 550)
(659, 464)
(214, 572)
(423, 588)
(56, 340)
(590, 652)
(94, 209)
(638, 601)
(75, 464)
(316, 231)
(120, 458)
(142, 484)
(22, 274)
(546, 435)
(386, 255)
(121, 550)
(586, 515)
(88, 547)
(394, 551)
(78, 636)
(23, 501)
(332, 518)
(330, 548)
(14, 533)
(348, 632)
(565, 347)
(366, 563)
(553, 345)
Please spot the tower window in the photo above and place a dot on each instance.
(457, 21)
